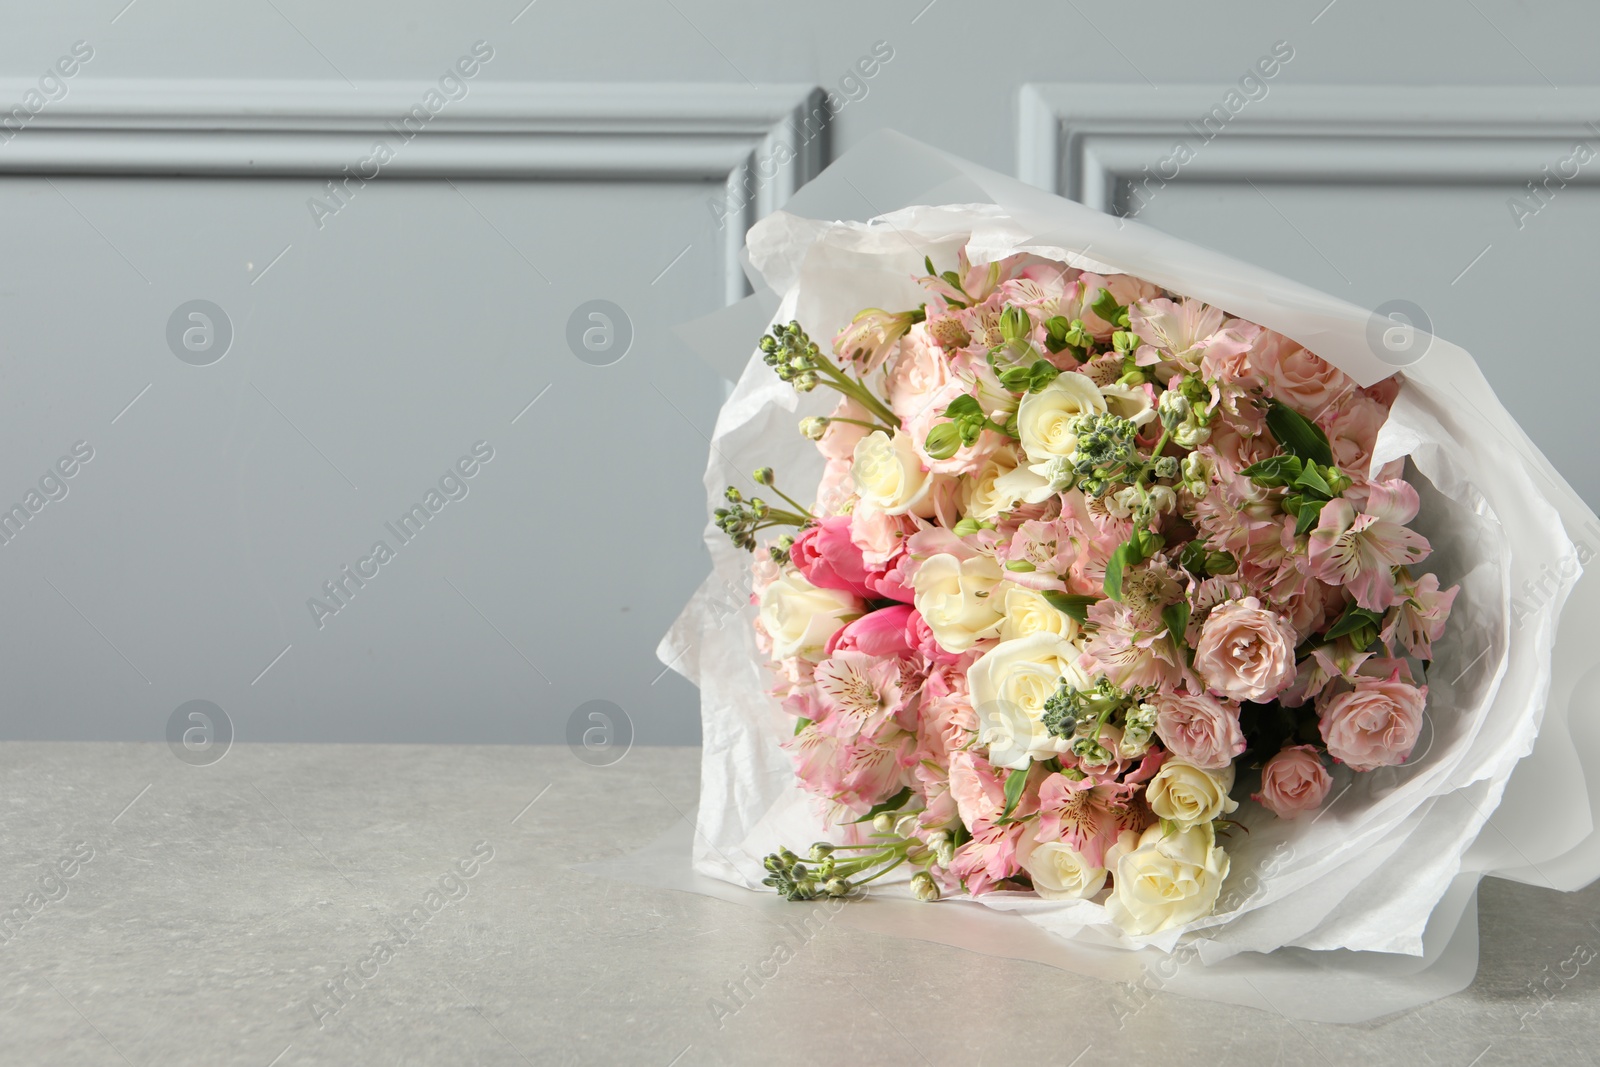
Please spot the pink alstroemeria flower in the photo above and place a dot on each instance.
(858, 694)
(1360, 549)
(1088, 815)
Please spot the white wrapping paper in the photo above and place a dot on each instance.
(1366, 908)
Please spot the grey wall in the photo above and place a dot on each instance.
(370, 354)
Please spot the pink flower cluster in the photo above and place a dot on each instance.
(1086, 554)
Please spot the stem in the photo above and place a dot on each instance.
(799, 507)
(858, 422)
(901, 859)
(854, 389)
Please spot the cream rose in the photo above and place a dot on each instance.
(888, 475)
(800, 618)
(960, 600)
(1185, 794)
(1044, 419)
(1009, 685)
(1245, 652)
(1028, 612)
(1059, 873)
(1167, 880)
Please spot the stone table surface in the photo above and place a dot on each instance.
(161, 913)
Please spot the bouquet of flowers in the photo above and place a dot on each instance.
(1138, 603)
(1086, 555)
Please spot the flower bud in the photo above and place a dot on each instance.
(883, 822)
(923, 887)
(821, 851)
(762, 476)
(813, 427)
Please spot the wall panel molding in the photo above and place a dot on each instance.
(1092, 143)
(761, 142)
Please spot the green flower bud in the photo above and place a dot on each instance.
(943, 440)
(762, 476)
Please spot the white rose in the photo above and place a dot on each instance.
(888, 475)
(1028, 612)
(800, 618)
(1189, 796)
(1009, 685)
(1167, 880)
(1059, 873)
(960, 600)
(1044, 419)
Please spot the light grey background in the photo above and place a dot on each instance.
(426, 315)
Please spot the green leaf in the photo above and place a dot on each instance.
(1075, 605)
(1353, 619)
(965, 404)
(928, 262)
(1306, 518)
(800, 724)
(1125, 555)
(1298, 434)
(1105, 305)
(1311, 479)
(1015, 782)
(1275, 471)
(1176, 616)
(894, 803)
(1193, 558)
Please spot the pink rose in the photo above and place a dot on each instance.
(916, 372)
(878, 534)
(1245, 652)
(1294, 782)
(828, 559)
(1375, 724)
(1352, 426)
(1306, 382)
(877, 633)
(1199, 728)
(836, 489)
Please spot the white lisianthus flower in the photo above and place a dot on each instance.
(1028, 612)
(1044, 419)
(888, 474)
(1166, 880)
(1189, 796)
(960, 600)
(1009, 685)
(799, 617)
(1131, 402)
(1059, 873)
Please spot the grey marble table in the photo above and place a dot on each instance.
(372, 904)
